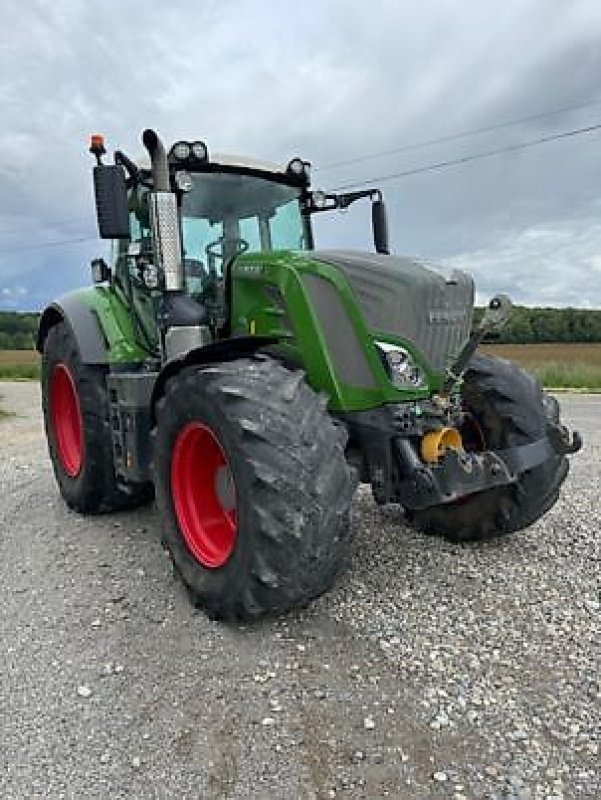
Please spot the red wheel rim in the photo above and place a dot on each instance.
(66, 420)
(204, 495)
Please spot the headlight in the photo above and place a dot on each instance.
(199, 151)
(401, 368)
(181, 151)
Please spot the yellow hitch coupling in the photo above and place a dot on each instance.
(435, 444)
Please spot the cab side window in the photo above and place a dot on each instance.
(127, 268)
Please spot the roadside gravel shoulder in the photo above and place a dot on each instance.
(432, 670)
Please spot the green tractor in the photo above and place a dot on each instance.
(249, 381)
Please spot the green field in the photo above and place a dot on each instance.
(572, 366)
(558, 366)
(19, 365)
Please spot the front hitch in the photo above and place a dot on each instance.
(459, 473)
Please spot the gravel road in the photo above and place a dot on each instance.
(432, 670)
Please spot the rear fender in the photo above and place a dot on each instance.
(84, 324)
(103, 324)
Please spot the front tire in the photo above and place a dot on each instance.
(508, 408)
(253, 487)
(76, 418)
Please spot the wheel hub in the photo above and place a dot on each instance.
(204, 495)
(66, 418)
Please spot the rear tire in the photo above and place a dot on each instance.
(77, 422)
(253, 487)
(510, 409)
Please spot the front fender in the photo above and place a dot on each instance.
(225, 350)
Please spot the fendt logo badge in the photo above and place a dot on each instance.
(446, 316)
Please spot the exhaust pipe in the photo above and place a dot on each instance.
(158, 160)
(164, 220)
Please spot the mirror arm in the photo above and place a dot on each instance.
(328, 202)
(132, 169)
(340, 201)
(344, 200)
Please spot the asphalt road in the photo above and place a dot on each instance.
(432, 670)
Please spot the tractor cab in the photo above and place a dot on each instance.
(199, 214)
(226, 206)
(230, 205)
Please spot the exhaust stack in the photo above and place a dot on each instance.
(158, 160)
(164, 220)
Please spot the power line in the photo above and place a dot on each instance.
(47, 244)
(472, 157)
(456, 135)
(380, 179)
(53, 224)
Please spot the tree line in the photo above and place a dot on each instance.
(17, 330)
(526, 326)
(537, 325)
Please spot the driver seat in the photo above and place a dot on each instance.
(179, 310)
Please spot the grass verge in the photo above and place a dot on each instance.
(557, 366)
(569, 376)
(19, 372)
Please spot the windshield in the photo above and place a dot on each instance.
(226, 214)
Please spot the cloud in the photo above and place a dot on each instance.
(12, 297)
(324, 80)
(558, 264)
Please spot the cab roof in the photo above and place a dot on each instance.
(228, 160)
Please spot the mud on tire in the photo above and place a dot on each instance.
(293, 486)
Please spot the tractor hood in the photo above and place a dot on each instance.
(407, 298)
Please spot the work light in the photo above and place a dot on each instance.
(181, 151)
(298, 168)
(199, 151)
(319, 199)
(183, 181)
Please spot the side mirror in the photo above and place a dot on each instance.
(110, 191)
(379, 222)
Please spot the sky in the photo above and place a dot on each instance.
(330, 81)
